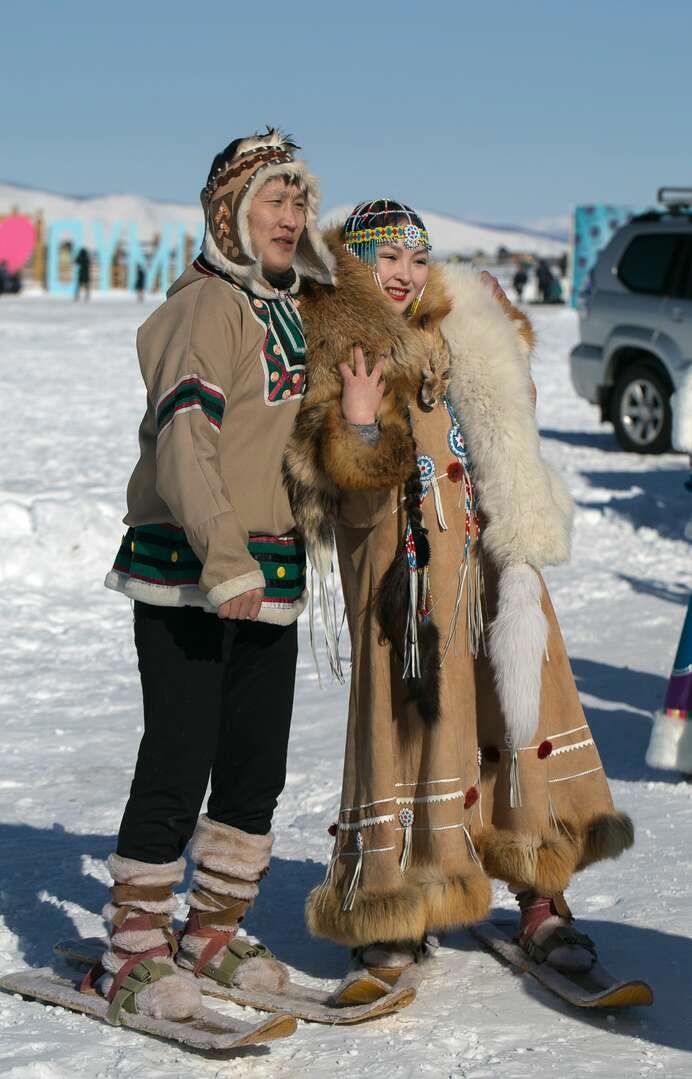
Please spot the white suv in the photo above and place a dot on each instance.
(635, 318)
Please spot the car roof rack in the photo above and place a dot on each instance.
(675, 199)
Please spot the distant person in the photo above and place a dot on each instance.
(519, 281)
(544, 279)
(670, 745)
(9, 282)
(139, 282)
(83, 264)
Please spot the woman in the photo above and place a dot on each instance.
(468, 755)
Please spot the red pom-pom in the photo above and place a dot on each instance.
(471, 797)
(455, 472)
(545, 749)
(333, 828)
(491, 754)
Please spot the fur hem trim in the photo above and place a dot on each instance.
(284, 614)
(142, 874)
(547, 862)
(670, 745)
(516, 645)
(230, 850)
(606, 835)
(543, 862)
(375, 916)
(459, 899)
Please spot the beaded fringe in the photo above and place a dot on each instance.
(471, 580)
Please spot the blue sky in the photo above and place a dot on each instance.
(494, 112)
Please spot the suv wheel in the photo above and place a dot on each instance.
(640, 410)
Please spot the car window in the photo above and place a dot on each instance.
(649, 262)
(682, 288)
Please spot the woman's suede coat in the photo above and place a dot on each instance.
(426, 815)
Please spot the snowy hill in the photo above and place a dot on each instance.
(148, 215)
(449, 235)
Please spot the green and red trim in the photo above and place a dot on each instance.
(191, 392)
(159, 554)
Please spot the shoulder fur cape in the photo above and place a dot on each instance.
(525, 506)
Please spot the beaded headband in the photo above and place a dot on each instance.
(411, 236)
(362, 236)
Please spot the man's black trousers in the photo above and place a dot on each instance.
(218, 697)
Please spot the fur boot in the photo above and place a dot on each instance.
(142, 902)
(229, 865)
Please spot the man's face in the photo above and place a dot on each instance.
(276, 219)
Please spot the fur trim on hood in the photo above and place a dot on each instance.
(226, 200)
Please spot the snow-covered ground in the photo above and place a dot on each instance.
(71, 720)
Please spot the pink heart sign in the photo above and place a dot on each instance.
(17, 238)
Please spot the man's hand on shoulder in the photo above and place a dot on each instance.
(246, 605)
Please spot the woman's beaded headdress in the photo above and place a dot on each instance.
(383, 221)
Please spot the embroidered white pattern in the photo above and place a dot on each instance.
(367, 822)
(356, 853)
(366, 805)
(574, 730)
(428, 782)
(576, 775)
(575, 745)
(431, 798)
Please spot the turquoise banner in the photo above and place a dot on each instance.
(594, 226)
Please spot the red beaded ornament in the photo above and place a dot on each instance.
(471, 797)
(333, 828)
(455, 471)
(544, 750)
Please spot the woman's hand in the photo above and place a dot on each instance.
(362, 393)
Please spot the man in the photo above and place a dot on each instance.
(83, 264)
(217, 574)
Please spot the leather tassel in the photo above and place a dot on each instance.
(311, 624)
(439, 509)
(514, 783)
(555, 821)
(406, 821)
(350, 896)
(463, 572)
(471, 847)
(328, 615)
(329, 875)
